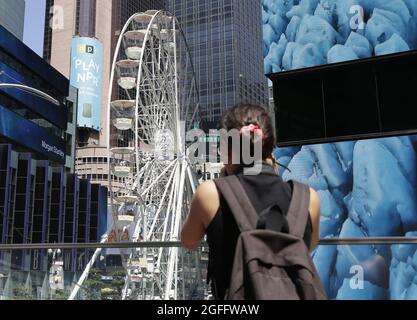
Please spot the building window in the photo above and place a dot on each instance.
(85, 23)
(70, 106)
(68, 144)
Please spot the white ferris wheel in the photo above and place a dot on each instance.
(151, 182)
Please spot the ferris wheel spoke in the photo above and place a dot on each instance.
(156, 217)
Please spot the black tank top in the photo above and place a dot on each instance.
(263, 190)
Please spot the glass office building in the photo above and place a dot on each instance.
(225, 40)
(124, 9)
(41, 200)
(12, 16)
(85, 23)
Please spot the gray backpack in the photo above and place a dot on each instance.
(270, 265)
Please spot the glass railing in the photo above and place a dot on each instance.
(103, 272)
(365, 269)
(368, 269)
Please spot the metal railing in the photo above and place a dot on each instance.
(166, 244)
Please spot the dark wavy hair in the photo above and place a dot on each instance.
(245, 114)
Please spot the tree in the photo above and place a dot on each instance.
(93, 285)
(95, 288)
(23, 293)
(61, 295)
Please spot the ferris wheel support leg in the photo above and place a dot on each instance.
(164, 232)
(176, 282)
(162, 202)
(85, 273)
(193, 181)
(175, 235)
(171, 251)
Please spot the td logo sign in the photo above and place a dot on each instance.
(83, 48)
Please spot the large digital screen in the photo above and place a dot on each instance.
(30, 135)
(367, 188)
(305, 33)
(353, 100)
(22, 53)
(87, 77)
(57, 115)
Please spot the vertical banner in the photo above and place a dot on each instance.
(87, 77)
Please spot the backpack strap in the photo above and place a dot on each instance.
(298, 211)
(239, 203)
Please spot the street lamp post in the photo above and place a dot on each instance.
(55, 271)
(2, 276)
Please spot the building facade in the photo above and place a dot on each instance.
(225, 40)
(71, 132)
(42, 123)
(12, 16)
(41, 199)
(102, 20)
(272, 106)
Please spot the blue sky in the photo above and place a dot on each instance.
(34, 25)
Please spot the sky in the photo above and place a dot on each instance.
(34, 25)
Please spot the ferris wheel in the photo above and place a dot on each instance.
(153, 102)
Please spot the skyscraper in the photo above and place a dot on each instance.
(225, 40)
(102, 20)
(12, 16)
(41, 200)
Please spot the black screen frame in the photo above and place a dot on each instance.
(321, 72)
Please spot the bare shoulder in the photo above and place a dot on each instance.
(207, 200)
(206, 190)
(315, 217)
(314, 200)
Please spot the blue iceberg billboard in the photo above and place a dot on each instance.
(367, 188)
(87, 77)
(31, 136)
(306, 33)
